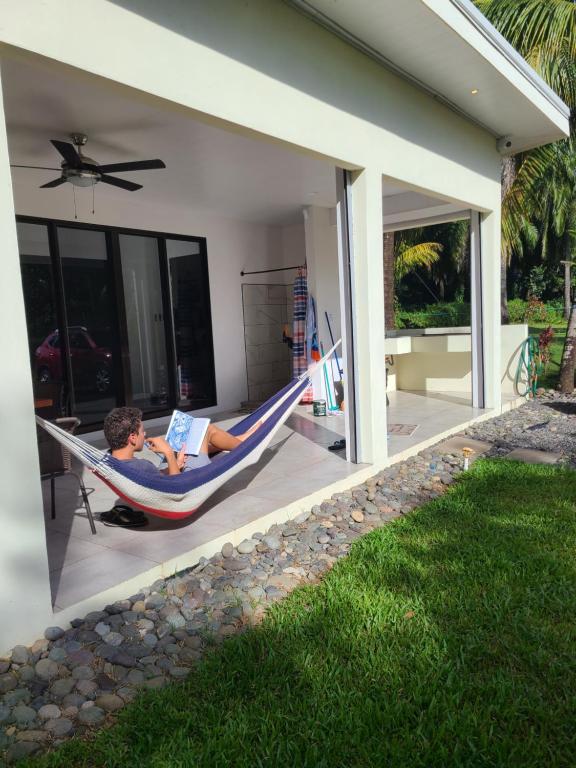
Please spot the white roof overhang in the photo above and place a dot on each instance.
(449, 49)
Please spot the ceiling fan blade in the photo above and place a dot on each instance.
(129, 185)
(68, 152)
(54, 183)
(138, 165)
(35, 167)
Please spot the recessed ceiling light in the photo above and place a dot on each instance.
(474, 91)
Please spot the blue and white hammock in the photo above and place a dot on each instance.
(178, 496)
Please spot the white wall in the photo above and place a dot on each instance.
(232, 246)
(436, 360)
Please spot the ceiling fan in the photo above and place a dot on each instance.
(83, 171)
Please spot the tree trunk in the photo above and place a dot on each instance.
(508, 174)
(388, 249)
(567, 291)
(504, 317)
(568, 355)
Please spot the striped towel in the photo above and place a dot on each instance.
(299, 338)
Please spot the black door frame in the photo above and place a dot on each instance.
(121, 350)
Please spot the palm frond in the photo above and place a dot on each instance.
(410, 257)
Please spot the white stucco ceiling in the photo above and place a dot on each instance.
(207, 168)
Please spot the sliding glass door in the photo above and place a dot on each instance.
(191, 320)
(116, 317)
(146, 333)
(91, 339)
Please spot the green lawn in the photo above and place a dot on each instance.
(446, 638)
(549, 378)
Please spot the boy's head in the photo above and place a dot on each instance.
(123, 426)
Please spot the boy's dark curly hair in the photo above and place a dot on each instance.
(120, 424)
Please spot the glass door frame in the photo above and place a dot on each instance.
(121, 351)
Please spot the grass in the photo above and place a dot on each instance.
(445, 639)
(549, 378)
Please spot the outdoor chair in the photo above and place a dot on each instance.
(56, 460)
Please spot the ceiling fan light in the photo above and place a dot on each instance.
(81, 178)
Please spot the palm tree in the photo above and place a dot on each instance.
(403, 254)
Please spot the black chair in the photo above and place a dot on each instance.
(55, 461)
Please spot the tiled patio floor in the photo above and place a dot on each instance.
(296, 465)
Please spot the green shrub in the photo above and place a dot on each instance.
(441, 315)
(521, 311)
(516, 311)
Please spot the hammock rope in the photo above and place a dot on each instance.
(178, 496)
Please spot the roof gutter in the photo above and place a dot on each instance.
(478, 20)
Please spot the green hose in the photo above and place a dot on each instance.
(529, 368)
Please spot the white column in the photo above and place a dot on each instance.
(491, 325)
(25, 604)
(367, 299)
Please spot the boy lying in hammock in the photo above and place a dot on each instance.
(125, 433)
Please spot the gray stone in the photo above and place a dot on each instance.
(58, 654)
(150, 640)
(135, 677)
(114, 639)
(236, 564)
(20, 654)
(531, 456)
(91, 716)
(179, 672)
(54, 633)
(247, 546)
(5, 713)
(119, 607)
(46, 669)
(24, 715)
(155, 601)
(302, 517)
(104, 682)
(7, 683)
(83, 672)
(21, 750)
(4, 666)
(272, 542)
(60, 727)
(73, 700)
(17, 696)
(127, 693)
(109, 702)
(38, 736)
(123, 659)
(227, 550)
(86, 687)
(102, 629)
(155, 682)
(49, 712)
(62, 687)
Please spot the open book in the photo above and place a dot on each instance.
(186, 430)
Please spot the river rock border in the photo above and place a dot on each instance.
(74, 680)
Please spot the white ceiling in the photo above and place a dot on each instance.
(207, 168)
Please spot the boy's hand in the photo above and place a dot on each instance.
(159, 445)
(181, 458)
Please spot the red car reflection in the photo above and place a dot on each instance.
(91, 364)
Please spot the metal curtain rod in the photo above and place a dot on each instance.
(265, 271)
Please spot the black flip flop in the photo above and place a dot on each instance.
(122, 516)
(338, 445)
